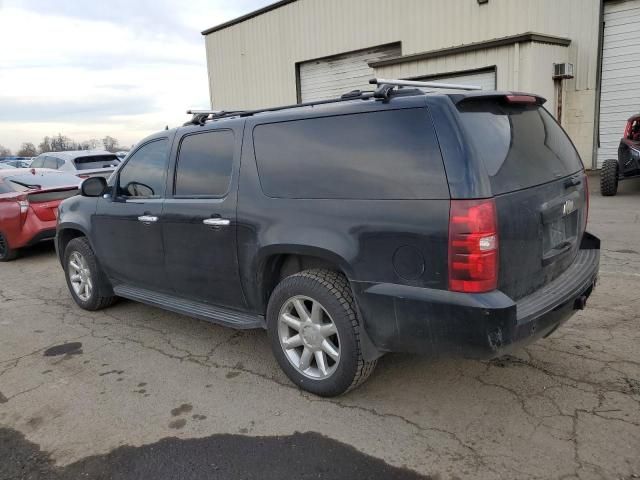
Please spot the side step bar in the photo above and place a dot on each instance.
(203, 311)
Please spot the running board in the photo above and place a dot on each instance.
(203, 311)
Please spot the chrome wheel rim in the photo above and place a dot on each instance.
(80, 276)
(309, 337)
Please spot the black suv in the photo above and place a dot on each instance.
(448, 223)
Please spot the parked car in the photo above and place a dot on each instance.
(628, 163)
(29, 202)
(17, 162)
(83, 163)
(449, 223)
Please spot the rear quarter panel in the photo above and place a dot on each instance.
(370, 240)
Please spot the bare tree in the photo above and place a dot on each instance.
(27, 149)
(110, 144)
(4, 151)
(45, 145)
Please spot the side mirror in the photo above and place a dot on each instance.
(93, 187)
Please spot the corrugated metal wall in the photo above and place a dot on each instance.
(253, 64)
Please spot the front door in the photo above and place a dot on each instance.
(127, 230)
(199, 219)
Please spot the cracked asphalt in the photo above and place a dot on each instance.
(122, 392)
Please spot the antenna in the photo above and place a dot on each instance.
(414, 83)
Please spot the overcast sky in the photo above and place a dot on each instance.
(87, 69)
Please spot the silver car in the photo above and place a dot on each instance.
(83, 163)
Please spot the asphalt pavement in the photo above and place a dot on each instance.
(137, 392)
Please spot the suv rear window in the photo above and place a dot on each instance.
(391, 154)
(96, 161)
(521, 146)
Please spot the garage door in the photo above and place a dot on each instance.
(334, 76)
(620, 88)
(485, 79)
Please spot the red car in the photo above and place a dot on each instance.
(29, 201)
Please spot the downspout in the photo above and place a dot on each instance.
(596, 118)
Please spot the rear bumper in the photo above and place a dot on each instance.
(441, 323)
(33, 231)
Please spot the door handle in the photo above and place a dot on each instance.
(147, 219)
(216, 222)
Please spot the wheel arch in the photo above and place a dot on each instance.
(66, 233)
(280, 262)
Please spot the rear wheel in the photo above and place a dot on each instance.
(314, 333)
(609, 178)
(6, 252)
(84, 276)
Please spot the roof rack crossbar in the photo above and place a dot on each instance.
(414, 83)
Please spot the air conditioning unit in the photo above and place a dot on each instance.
(562, 71)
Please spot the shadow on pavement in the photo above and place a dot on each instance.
(299, 456)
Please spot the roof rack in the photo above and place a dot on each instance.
(385, 89)
(414, 83)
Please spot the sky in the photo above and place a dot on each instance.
(87, 69)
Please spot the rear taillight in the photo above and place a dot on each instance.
(24, 208)
(473, 246)
(586, 198)
(627, 129)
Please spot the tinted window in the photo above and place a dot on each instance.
(204, 164)
(145, 173)
(521, 146)
(391, 154)
(96, 161)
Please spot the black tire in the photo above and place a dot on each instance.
(331, 289)
(98, 298)
(609, 178)
(6, 252)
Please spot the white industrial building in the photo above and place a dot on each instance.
(301, 50)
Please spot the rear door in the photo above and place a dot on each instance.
(199, 218)
(539, 185)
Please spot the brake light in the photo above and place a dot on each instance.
(587, 194)
(473, 246)
(522, 99)
(627, 129)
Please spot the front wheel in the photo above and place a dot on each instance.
(314, 333)
(609, 178)
(84, 276)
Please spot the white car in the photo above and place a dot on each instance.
(83, 163)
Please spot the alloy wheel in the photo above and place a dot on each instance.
(80, 276)
(309, 337)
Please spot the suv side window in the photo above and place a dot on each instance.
(144, 175)
(37, 162)
(205, 161)
(383, 155)
(51, 162)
